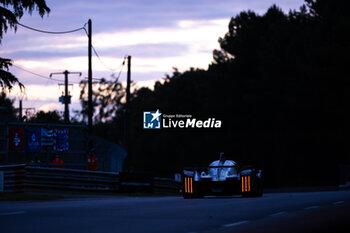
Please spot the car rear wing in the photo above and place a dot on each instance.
(205, 168)
(191, 170)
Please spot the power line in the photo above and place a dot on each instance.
(58, 80)
(51, 32)
(39, 75)
(100, 59)
(36, 74)
(122, 65)
(120, 71)
(71, 31)
(107, 67)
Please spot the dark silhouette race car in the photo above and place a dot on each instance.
(222, 177)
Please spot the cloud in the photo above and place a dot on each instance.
(114, 15)
(189, 44)
(137, 50)
(142, 50)
(45, 97)
(43, 55)
(187, 31)
(50, 107)
(159, 35)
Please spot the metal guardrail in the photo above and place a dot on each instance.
(22, 177)
(136, 182)
(72, 179)
(55, 165)
(13, 178)
(165, 185)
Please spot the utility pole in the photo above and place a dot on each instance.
(26, 111)
(66, 99)
(90, 107)
(20, 110)
(128, 82)
(127, 114)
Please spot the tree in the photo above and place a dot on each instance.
(280, 85)
(47, 117)
(108, 102)
(10, 12)
(6, 102)
(106, 98)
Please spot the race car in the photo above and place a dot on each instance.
(222, 177)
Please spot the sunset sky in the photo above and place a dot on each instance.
(158, 34)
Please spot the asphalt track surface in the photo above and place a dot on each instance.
(274, 212)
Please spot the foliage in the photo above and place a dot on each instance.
(279, 83)
(10, 12)
(106, 97)
(46, 117)
(6, 78)
(8, 103)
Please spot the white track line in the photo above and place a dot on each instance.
(277, 214)
(311, 207)
(338, 202)
(234, 224)
(12, 213)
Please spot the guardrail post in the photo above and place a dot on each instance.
(1, 182)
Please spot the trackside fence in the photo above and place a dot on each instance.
(21, 177)
(12, 178)
(165, 185)
(71, 179)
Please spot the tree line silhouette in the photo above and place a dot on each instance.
(279, 84)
